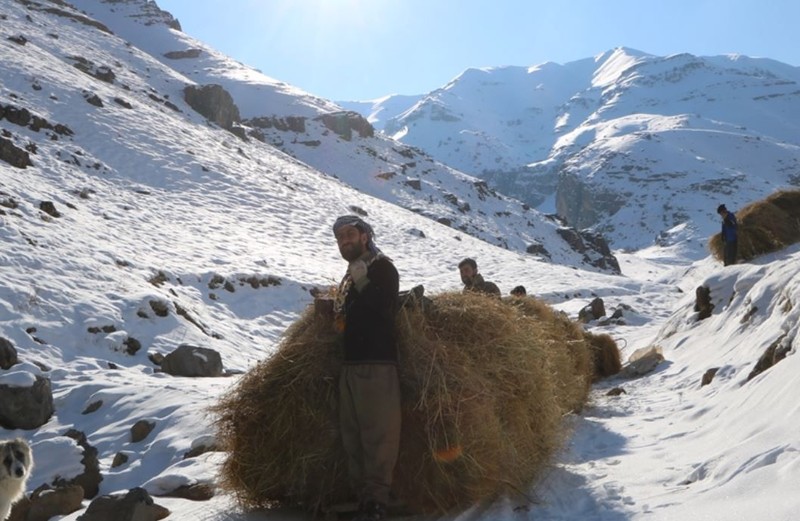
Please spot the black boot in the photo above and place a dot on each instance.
(371, 511)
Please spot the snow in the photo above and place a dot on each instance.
(17, 378)
(176, 203)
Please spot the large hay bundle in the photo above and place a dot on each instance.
(484, 387)
(765, 226)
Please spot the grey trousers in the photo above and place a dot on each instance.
(369, 419)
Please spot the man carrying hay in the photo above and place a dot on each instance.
(473, 281)
(369, 387)
(729, 235)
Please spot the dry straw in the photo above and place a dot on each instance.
(765, 226)
(485, 385)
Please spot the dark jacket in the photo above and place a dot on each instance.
(369, 333)
(479, 285)
(729, 225)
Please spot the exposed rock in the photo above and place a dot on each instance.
(159, 307)
(702, 302)
(196, 492)
(345, 122)
(8, 354)
(708, 376)
(180, 55)
(593, 311)
(17, 116)
(239, 131)
(122, 103)
(68, 14)
(26, 407)
(594, 248)
(213, 102)
(120, 458)
(47, 502)
(24, 118)
(18, 39)
(93, 99)
(776, 352)
(643, 361)
(92, 407)
(189, 360)
(90, 478)
(13, 155)
(416, 184)
(583, 205)
(616, 391)
(538, 249)
(286, 124)
(141, 430)
(136, 505)
(132, 346)
(201, 449)
(49, 208)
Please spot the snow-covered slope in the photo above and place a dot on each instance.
(673, 448)
(627, 143)
(345, 146)
(155, 210)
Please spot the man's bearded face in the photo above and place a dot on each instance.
(352, 242)
(467, 273)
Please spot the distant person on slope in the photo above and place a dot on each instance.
(369, 386)
(730, 235)
(473, 281)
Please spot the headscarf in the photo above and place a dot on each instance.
(362, 225)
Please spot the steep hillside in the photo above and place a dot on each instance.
(130, 225)
(344, 145)
(627, 143)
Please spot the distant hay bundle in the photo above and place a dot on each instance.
(605, 354)
(765, 226)
(484, 386)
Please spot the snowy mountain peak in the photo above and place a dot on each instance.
(628, 144)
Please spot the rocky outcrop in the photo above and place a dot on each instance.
(181, 55)
(8, 354)
(776, 352)
(702, 303)
(47, 502)
(593, 246)
(189, 360)
(593, 311)
(13, 155)
(136, 505)
(345, 123)
(89, 480)
(285, 124)
(213, 102)
(583, 205)
(26, 407)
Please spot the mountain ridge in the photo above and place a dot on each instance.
(529, 130)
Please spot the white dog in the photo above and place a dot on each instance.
(17, 462)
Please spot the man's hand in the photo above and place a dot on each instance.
(358, 272)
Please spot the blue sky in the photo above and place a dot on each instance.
(363, 49)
